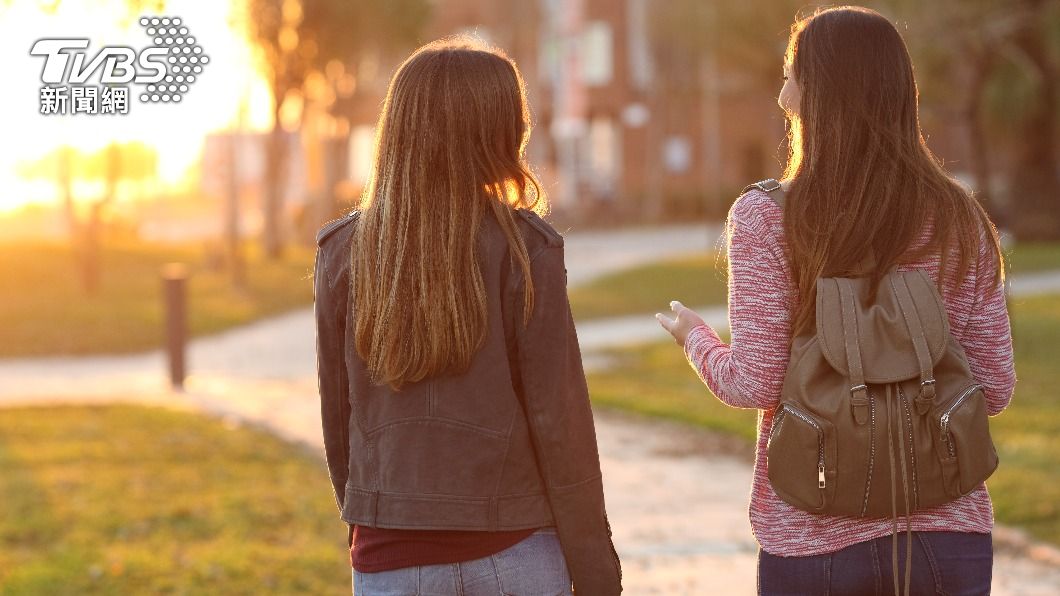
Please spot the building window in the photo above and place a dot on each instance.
(604, 156)
(677, 154)
(597, 53)
(640, 60)
(362, 146)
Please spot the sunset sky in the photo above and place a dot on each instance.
(176, 131)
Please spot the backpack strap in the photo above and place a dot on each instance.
(771, 187)
(859, 391)
(920, 347)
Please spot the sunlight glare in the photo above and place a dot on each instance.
(175, 131)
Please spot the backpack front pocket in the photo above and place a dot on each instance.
(801, 458)
(965, 448)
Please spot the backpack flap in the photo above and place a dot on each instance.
(899, 335)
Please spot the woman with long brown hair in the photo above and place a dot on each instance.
(860, 187)
(457, 425)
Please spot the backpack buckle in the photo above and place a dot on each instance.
(859, 403)
(927, 395)
(927, 389)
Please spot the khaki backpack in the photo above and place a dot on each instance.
(879, 400)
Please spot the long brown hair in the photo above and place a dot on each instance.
(449, 150)
(863, 180)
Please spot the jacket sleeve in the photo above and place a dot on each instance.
(329, 309)
(556, 401)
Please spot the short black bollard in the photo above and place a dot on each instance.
(174, 284)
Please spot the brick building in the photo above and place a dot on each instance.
(618, 127)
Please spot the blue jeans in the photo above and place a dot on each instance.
(532, 567)
(949, 563)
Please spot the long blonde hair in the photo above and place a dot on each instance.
(449, 150)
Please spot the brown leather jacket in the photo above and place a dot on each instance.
(510, 444)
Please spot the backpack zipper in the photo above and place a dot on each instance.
(820, 442)
(778, 421)
(944, 420)
(872, 453)
(902, 397)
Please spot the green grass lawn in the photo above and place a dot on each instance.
(1027, 434)
(701, 280)
(44, 311)
(655, 380)
(1032, 257)
(138, 500)
(695, 280)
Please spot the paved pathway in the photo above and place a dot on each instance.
(677, 496)
(592, 254)
(1028, 284)
(280, 350)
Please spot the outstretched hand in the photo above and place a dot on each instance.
(682, 324)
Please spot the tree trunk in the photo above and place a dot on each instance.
(89, 253)
(978, 145)
(275, 178)
(1035, 181)
(93, 228)
(65, 176)
(234, 253)
(336, 170)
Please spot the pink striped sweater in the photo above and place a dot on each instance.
(749, 373)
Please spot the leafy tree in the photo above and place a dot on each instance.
(274, 29)
(318, 50)
(351, 42)
(996, 63)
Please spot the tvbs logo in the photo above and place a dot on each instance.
(165, 69)
(117, 63)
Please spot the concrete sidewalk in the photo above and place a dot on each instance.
(676, 495)
(281, 349)
(1030, 284)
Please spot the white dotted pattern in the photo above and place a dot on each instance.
(185, 57)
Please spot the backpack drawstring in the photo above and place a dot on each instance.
(892, 429)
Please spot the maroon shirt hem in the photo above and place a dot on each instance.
(385, 549)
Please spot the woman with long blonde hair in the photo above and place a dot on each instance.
(457, 426)
(861, 186)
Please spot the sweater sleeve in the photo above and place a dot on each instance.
(749, 371)
(987, 339)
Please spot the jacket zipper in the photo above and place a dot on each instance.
(944, 421)
(820, 442)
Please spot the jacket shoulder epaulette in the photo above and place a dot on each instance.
(551, 235)
(334, 225)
